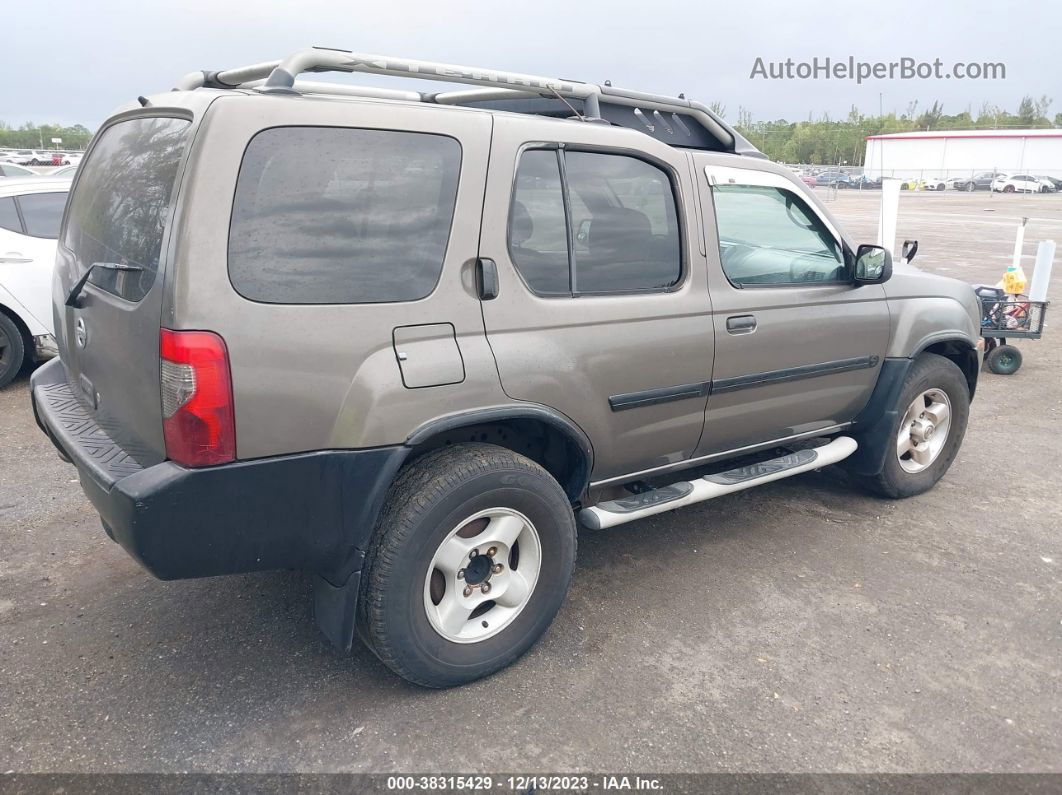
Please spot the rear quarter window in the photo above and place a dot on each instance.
(42, 213)
(328, 215)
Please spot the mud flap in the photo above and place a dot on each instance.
(335, 609)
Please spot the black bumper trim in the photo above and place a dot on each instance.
(312, 511)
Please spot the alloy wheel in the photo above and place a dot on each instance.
(923, 430)
(482, 575)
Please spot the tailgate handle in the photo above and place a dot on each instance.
(741, 324)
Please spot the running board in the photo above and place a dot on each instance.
(678, 495)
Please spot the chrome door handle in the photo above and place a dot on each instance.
(741, 324)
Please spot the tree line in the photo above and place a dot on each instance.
(39, 136)
(826, 141)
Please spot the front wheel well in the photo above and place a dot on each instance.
(963, 355)
(545, 444)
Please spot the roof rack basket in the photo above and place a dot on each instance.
(674, 120)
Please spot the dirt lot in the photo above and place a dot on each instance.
(798, 627)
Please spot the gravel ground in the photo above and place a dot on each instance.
(801, 626)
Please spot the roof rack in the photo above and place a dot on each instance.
(674, 120)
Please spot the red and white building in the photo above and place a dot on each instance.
(958, 153)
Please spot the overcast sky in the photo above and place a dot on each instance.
(75, 60)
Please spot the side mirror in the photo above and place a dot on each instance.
(910, 248)
(873, 265)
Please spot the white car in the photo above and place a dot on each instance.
(1018, 183)
(31, 209)
(934, 183)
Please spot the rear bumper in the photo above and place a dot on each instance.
(311, 511)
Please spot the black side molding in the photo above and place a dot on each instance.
(652, 397)
(794, 373)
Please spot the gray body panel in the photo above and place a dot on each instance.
(575, 353)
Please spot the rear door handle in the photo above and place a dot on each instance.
(487, 278)
(741, 324)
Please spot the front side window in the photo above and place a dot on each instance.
(592, 223)
(332, 215)
(769, 235)
(42, 213)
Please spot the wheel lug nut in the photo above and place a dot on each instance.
(468, 590)
(492, 552)
(473, 554)
(460, 574)
(485, 587)
(496, 568)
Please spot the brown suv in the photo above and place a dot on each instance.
(405, 341)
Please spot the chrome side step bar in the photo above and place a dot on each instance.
(678, 495)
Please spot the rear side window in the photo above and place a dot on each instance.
(593, 223)
(328, 215)
(9, 215)
(42, 213)
(121, 204)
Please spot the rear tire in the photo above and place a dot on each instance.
(429, 614)
(1003, 360)
(12, 350)
(970, 187)
(1008, 189)
(934, 395)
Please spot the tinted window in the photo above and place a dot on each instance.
(121, 204)
(9, 170)
(42, 213)
(332, 215)
(770, 236)
(622, 216)
(9, 215)
(538, 236)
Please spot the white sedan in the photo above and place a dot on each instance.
(31, 209)
(1018, 183)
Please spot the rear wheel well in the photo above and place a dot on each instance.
(963, 355)
(543, 443)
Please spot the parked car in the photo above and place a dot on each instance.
(33, 157)
(11, 170)
(934, 183)
(833, 178)
(498, 377)
(981, 181)
(1054, 182)
(809, 180)
(866, 183)
(30, 211)
(1020, 183)
(911, 183)
(65, 171)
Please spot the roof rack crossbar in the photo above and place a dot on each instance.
(655, 114)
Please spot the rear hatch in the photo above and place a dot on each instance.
(118, 222)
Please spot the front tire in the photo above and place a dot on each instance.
(12, 350)
(970, 187)
(931, 417)
(470, 562)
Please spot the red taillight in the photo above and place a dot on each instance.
(198, 421)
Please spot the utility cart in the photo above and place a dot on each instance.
(1005, 317)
